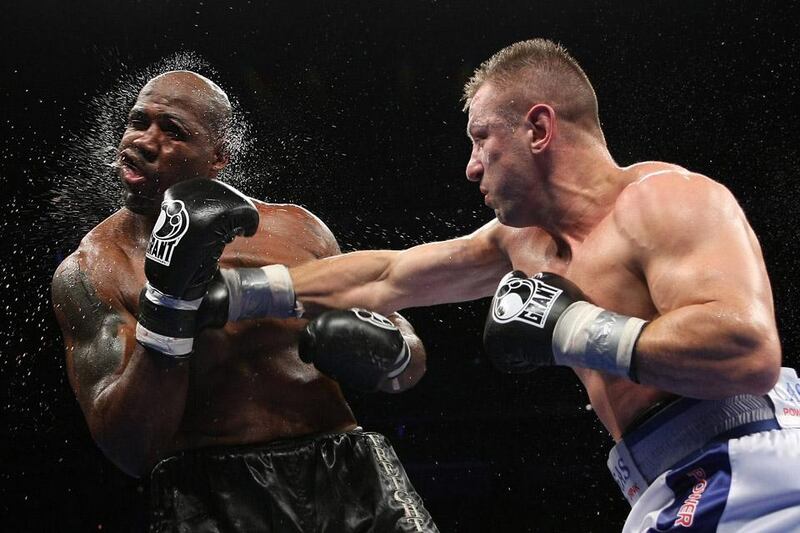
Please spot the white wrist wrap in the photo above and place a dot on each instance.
(589, 336)
(259, 292)
(177, 347)
(165, 300)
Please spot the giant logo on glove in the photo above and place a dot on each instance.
(171, 226)
(525, 300)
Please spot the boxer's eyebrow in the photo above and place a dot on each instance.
(470, 126)
(475, 129)
(174, 119)
(136, 112)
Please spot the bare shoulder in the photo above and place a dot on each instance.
(672, 191)
(95, 267)
(84, 300)
(88, 297)
(672, 204)
(296, 223)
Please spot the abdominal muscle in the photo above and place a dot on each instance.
(249, 386)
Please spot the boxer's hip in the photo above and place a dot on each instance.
(715, 465)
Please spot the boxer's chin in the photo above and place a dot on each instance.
(140, 204)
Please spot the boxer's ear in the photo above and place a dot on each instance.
(541, 122)
(221, 156)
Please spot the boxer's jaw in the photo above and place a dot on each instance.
(140, 204)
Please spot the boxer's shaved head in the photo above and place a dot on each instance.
(204, 96)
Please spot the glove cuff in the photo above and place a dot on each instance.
(260, 292)
(165, 300)
(589, 336)
(175, 347)
(166, 323)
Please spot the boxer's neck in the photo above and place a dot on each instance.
(583, 186)
(137, 226)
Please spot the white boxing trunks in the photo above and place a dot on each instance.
(727, 465)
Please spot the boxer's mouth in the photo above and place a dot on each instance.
(130, 168)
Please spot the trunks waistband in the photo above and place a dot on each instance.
(682, 427)
(237, 450)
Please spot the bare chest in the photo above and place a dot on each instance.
(245, 348)
(602, 266)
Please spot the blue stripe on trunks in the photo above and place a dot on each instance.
(701, 485)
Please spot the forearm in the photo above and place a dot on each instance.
(357, 279)
(708, 351)
(136, 414)
(457, 270)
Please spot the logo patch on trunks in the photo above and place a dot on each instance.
(171, 226)
(525, 300)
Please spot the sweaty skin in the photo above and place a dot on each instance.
(651, 240)
(244, 383)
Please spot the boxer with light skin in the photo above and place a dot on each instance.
(173, 366)
(654, 290)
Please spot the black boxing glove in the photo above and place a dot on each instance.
(198, 218)
(546, 320)
(356, 347)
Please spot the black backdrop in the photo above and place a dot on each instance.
(353, 111)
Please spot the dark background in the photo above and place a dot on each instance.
(353, 111)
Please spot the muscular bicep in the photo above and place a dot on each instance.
(95, 331)
(709, 285)
(694, 246)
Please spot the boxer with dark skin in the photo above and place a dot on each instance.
(243, 383)
(665, 255)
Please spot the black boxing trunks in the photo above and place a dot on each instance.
(333, 483)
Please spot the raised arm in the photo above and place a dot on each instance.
(129, 373)
(114, 378)
(386, 281)
(716, 334)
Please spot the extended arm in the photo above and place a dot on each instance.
(716, 334)
(386, 281)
